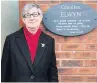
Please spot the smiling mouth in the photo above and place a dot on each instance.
(32, 21)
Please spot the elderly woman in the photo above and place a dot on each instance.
(28, 54)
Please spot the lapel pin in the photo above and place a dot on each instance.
(42, 45)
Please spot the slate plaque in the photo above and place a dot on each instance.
(70, 19)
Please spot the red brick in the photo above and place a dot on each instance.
(77, 0)
(90, 78)
(65, 71)
(48, 1)
(59, 39)
(63, 1)
(78, 79)
(71, 63)
(53, 4)
(91, 47)
(72, 47)
(72, 79)
(90, 63)
(76, 39)
(93, 5)
(57, 47)
(43, 2)
(85, 71)
(84, 55)
(89, 1)
(77, 71)
(55, 1)
(89, 38)
(64, 55)
(44, 7)
(25, 1)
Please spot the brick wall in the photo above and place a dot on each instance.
(76, 56)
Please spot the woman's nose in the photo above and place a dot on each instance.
(32, 17)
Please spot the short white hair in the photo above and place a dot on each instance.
(29, 6)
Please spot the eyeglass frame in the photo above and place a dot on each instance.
(31, 14)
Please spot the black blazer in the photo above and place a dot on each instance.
(16, 65)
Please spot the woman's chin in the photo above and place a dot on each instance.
(32, 25)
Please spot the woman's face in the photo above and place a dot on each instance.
(32, 18)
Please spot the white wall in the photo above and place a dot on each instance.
(9, 19)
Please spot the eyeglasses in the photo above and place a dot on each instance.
(28, 15)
